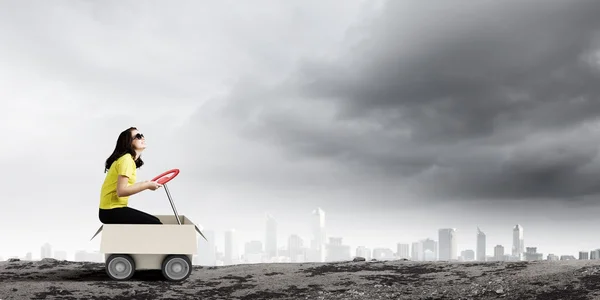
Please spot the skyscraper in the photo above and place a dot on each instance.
(480, 245)
(318, 235)
(231, 251)
(448, 249)
(271, 237)
(518, 247)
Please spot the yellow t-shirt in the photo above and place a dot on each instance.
(125, 166)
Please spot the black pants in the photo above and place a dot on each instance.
(126, 215)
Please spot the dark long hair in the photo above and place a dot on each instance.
(123, 147)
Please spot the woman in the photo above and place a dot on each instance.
(120, 183)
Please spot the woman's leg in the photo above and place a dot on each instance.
(126, 215)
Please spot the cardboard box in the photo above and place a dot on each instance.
(149, 244)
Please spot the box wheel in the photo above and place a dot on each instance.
(176, 267)
(120, 267)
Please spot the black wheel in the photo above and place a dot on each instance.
(176, 267)
(120, 266)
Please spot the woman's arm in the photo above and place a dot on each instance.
(124, 190)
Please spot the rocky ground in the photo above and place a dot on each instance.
(547, 280)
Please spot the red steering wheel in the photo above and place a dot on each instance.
(162, 178)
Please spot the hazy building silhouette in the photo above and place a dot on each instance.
(253, 252)
(417, 251)
(518, 247)
(318, 241)
(207, 249)
(481, 244)
(46, 251)
(231, 252)
(532, 254)
(583, 255)
(383, 254)
(467, 255)
(499, 253)
(402, 251)
(448, 249)
(271, 238)
(430, 249)
(336, 250)
(362, 251)
(552, 257)
(296, 248)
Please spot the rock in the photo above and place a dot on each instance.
(500, 291)
(358, 258)
(13, 259)
(48, 260)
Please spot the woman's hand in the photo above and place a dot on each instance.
(152, 185)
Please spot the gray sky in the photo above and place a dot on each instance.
(397, 118)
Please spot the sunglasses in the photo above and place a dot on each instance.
(138, 136)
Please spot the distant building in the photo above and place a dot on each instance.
(46, 251)
(231, 251)
(383, 254)
(253, 252)
(499, 253)
(467, 255)
(430, 249)
(595, 254)
(336, 251)
(518, 247)
(531, 254)
(318, 249)
(481, 244)
(447, 244)
(271, 237)
(402, 251)
(583, 255)
(417, 251)
(552, 257)
(362, 251)
(296, 249)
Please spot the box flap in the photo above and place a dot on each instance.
(198, 230)
(99, 229)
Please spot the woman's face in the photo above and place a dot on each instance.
(139, 141)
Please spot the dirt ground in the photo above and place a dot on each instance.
(542, 280)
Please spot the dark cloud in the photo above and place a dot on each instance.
(453, 100)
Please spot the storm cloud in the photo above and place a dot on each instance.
(461, 99)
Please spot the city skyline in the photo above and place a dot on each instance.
(444, 251)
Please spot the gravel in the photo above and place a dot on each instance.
(399, 279)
